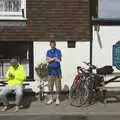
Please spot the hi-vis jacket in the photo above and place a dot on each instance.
(19, 74)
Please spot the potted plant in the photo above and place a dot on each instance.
(42, 70)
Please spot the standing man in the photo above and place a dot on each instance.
(53, 58)
(15, 77)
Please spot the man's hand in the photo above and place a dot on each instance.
(56, 59)
(52, 59)
(11, 76)
(49, 59)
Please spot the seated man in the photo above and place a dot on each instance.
(15, 77)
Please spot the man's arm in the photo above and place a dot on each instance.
(8, 75)
(20, 75)
(49, 59)
(59, 58)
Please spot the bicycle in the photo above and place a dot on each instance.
(79, 92)
(88, 87)
(96, 82)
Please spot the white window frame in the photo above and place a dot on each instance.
(15, 15)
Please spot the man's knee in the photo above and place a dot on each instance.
(19, 91)
(50, 84)
(58, 85)
(19, 94)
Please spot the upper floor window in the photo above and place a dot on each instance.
(109, 9)
(12, 9)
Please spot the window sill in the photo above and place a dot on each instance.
(14, 22)
(12, 19)
(105, 21)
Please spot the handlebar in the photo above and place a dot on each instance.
(83, 70)
(86, 63)
(90, 66)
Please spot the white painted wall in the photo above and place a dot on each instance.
(109, 36)
(72, 57)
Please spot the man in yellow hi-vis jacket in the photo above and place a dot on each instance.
(15, 77)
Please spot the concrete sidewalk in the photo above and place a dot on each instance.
(38, 108)
(40, 111)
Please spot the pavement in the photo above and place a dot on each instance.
(40, 111)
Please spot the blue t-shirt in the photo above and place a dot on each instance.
(54, 67)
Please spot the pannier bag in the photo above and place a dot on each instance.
(105, 70)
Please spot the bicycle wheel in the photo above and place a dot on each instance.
(84, 95)
(78, 97)
(72, 96)
(92, 91)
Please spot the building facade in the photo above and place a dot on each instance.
(27, 26)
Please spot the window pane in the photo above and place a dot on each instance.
(2, 5)
(10, 5)
(109, 8)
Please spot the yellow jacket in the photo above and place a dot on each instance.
(19, 74)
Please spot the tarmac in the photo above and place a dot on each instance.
(40, 111)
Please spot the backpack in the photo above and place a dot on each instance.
(105, 70)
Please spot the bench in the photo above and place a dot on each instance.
(110, 85)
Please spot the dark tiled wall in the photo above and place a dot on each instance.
(61, 19)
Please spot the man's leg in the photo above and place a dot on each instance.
(19, 95)
(58, 89)
(50, 85)
(7, 89)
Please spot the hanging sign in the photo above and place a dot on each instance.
(116, 55)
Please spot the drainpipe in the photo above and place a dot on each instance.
(91, 32)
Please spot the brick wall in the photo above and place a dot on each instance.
(61, 19)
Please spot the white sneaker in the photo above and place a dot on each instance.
(57, 102)
(49, 102)
(16, 108)
(4, 108)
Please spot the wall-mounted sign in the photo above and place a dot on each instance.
(116, 55)
(109, 9)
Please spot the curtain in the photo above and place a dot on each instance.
(10, 5)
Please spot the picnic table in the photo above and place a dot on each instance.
(111, 84)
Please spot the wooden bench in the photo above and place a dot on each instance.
(110, 88)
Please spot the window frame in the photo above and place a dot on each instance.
(94, 8)
(102, 21)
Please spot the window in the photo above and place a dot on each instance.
(106, 12)
(109, 9)
(71, 44)
(12, 9)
